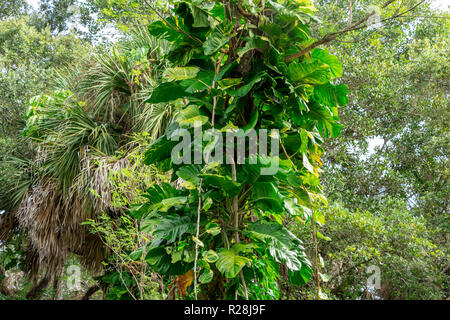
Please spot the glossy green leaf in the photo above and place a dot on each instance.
(211, 256)
(309, 73)
(206, 275)
(189, 173)
(256, 42)
(173, 227)
(224, 183)
(213, 228)
(160, 149)
(229, 263)
(266, 197)
(329, 59)
(161, 30)
(330, 95)
(191, 116)
(166, 92)
(214, 42)
(200, 16)
(300, 277)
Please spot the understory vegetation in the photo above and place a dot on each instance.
(347, 100)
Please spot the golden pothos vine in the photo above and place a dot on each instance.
(221, 222)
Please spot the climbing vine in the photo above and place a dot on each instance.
(221, 222)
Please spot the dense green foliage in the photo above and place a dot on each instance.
(88, 130)
(234, 73)
(395, 139)
(398, 243)
(29, 60)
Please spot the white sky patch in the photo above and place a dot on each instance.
(440, 4)
(373, 143)
(33, 3)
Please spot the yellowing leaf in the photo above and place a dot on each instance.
(181, 73)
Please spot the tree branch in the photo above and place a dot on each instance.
(334, 35)
(93, 289)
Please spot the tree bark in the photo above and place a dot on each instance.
(93, 289)
(36, 291)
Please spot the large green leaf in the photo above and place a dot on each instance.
(245, 89)
(158, 193)
(160, 149)
(229, 82)
(210, 256)
(306, 163)
(159, 259)
(214, 42)
(206, 275)
(168, 203)
(160, 198)
(200, 83)
(172, 227)
(166, 92)
(264, 230)
(300, 277)
(180, 73)
(189, 173)
(327, 123)
(191, 115)
(230, 263)
(161, 30)
(330, 95)
(137, 254)
(329, 59)
(224, 183)
(256, 42)
(341, 94)
(284, 247)
(309, 73)
(266, 197)
(200, 16)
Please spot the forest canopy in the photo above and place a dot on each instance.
(220, 150)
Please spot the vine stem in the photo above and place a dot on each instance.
(197, 235)
(235, 208)
(199, 208)
(316, 248)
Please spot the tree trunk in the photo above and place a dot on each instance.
(36, 291)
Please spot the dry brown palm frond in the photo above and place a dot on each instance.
(41, 215)
(54, 226)
(92, 252)
(53, 219)
(32, 262)
(7, 225)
